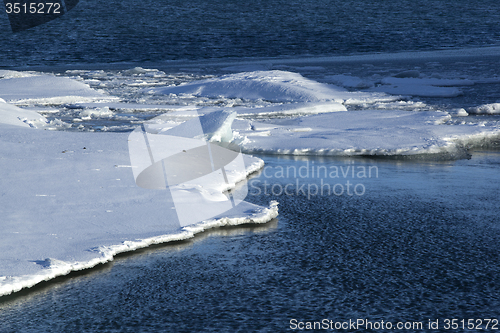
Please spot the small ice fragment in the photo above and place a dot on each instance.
(458, 112)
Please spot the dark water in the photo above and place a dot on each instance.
(117, 31)
(421, 243)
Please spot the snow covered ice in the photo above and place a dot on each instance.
(69, 198)
(367, 132)
(372, 132)
(46, 89)
(276, 86)
(69, 201)
(493, 108)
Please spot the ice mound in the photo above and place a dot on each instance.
(277, 86)
(46, 89)
(493, 108)
(460, 112)
(12, 115)
(361, 133)
(274, 86)
(103, 112)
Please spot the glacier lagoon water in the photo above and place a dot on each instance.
(420, 244)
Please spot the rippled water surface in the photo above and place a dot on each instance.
(117, 31)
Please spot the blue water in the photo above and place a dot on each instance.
(138, 31)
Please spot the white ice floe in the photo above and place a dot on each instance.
(361, 133)
(50, 268)
(68, 203)
(103, 112)
(274, 86)
(12, 115)
(493, 108)
(460, 112)
(277, 86)
(46, 89)
(143, 71)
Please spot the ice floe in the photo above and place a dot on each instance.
(64, 197)
(460, 112)
(69, 200)
(372, 132)
(493, 108)
(12, 115)
(46, 89)
(275, 86)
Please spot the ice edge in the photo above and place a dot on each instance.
(108, 253)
